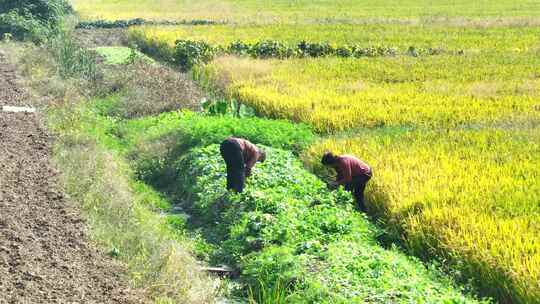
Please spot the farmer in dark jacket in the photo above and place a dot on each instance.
(351, 173)
(240, 156)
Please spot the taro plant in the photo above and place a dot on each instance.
(226, 107)
(240, 48)
(189, 53)
(271, 49)
(315, 49)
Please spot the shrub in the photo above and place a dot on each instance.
(21, 27)
(240, 48)
(73, 60)
(271, 49)
(155, 47)
(47, 11)
(107, 24)
(359, 51)
(344, 51)
(315, 49)
(188, 53)
(31, 19)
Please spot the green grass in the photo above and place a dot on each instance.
(126, 217)
(195, 129)
(121, 55)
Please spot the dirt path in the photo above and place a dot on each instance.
(44, 253)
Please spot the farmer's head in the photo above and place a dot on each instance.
(329, 159)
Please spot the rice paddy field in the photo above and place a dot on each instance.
(493, 79)
(476, 38)
(324, 11)
(453, 138)
(469, 196)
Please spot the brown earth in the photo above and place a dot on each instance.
(45, 256)
(91, 38)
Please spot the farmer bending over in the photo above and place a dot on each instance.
(240, 156)
(351, 173)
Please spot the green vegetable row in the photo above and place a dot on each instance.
(291, 239)
(288, 232)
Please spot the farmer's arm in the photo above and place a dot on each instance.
(252, 155)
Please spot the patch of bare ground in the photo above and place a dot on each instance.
(152, 89)
(91, 38)
(45, 256)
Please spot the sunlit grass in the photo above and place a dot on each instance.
(120, 55)
(250, 11)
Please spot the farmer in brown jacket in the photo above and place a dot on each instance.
(240, 155)
(351, 173)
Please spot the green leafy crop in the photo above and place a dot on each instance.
(288, 231)
(188, 53)
(191, 129)
(155, 142)
(121, 55)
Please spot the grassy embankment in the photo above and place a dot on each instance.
(465, 175)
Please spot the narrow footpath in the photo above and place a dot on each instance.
(45, 256)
